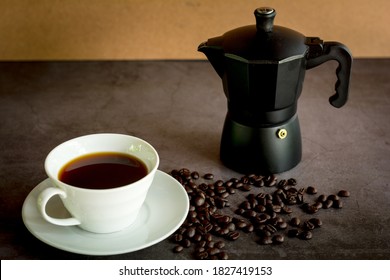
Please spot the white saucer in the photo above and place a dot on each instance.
(165, 209)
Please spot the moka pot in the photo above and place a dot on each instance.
(262, 68)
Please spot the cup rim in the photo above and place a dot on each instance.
(146, 177)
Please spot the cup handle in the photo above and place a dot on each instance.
(44, 197)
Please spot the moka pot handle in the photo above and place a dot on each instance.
(320, 52)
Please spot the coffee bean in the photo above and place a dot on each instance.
(317, 205)
(261, 199)
(287, 210)
(186, 243)
(178, 249)
(240, 223)
(216, 229)
(229, 184)
(231, 226)
(210, 244)
(305, 235)
(276, 220)
(316, 222)
(312, 209)
(185, 173)
(203, 187)
(192, 221)
(208, 176)
(263, 232)
(262, 218)
(308, 225)
(249, 228)
(231, 190)
(311, 190)
(245, 205)
(292, 182)
(208, 237)
(200, 249)
(295, 222)
(192, 214)
(293, 233)
(271, 181)
(175, 172)
(250, 213)
(259, 182)
(208, 226)
(220, 189)
(282, 183)
(337, 204)
(271, 215)
(266, 240)
(221, 219)
(246, 188)
(233, 235)
(197, 238)
(270, 228)
(210, 193)
(244, 179)
(260, 208)
(327, 204)
(292, 191)
(252, 201)
(195, 175)
(292, 200)
(344, 193)
(224, 195)
(333, 197)
(276, 208)
(220, 202)
(213, 251)
(188, 190)
(322, 198)
(278, 239)
(201, 244)
(219, 244)
(222, 232)
(199, 201)
(299, 198)
(223, 256)
(282, 225)
(201, 255)
(279, 192)
(177, 237)
(218, 183)
(181, 230)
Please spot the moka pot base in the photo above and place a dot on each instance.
(262, 150)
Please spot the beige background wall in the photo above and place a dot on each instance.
(172, 29)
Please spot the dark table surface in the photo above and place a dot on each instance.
(179, 107)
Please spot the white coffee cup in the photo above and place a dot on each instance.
(98, 210)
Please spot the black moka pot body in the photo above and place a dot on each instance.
(261, 130)
(262, 68)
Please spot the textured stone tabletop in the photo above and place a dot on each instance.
(179, 107)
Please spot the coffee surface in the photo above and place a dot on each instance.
(103, 170)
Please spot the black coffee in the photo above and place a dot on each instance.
(104, 170)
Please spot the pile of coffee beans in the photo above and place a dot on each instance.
(266, 212)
